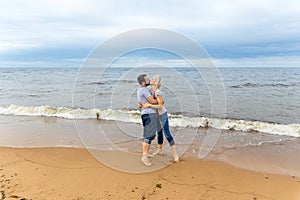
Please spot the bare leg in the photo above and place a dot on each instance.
(145, 148)
(175, 155)
(159, 150)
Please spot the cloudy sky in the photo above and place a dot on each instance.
(61, 29)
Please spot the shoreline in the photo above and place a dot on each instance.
(73, 173)
(247, 150)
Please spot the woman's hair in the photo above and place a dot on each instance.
(157, 81)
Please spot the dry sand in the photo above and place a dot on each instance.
(68, 173)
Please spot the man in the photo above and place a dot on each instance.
(148, 115)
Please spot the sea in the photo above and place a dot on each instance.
(266, 98)
(66, 106)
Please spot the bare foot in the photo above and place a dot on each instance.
(146, 161)
(176, 158)
(158, 152)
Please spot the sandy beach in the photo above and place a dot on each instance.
(43, 158)
(72, 173)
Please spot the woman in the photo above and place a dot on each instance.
(163, 116)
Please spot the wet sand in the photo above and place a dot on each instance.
(70, 173)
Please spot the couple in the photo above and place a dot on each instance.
(154, 116)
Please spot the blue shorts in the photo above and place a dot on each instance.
(150, 125)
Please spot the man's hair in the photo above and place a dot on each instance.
(141, 78)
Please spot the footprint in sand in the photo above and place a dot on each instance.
(3, 196)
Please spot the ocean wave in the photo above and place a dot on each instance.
(133, 116)
(248, 84)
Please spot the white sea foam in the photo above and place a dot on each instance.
(133, 116)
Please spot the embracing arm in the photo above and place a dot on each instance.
(160, 103)
(152, 100)
(146, 93)
(139, 105)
